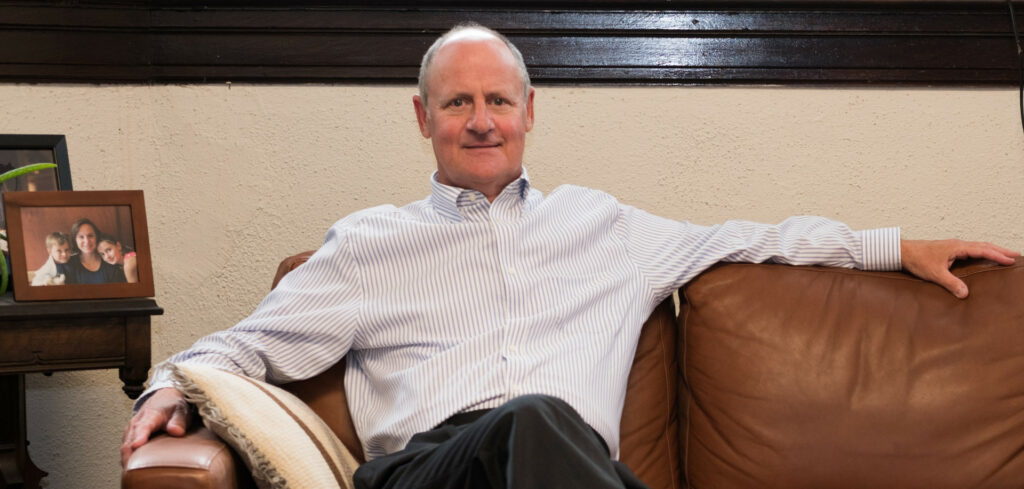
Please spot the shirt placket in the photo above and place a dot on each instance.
(503, 225)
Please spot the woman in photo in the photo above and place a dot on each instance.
(87, 266)
(121, 257)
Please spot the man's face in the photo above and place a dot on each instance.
(60, 252)
(477, 116)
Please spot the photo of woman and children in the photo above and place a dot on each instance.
(84, 254)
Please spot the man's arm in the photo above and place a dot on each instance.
(930, 260)
(671, 253)
(659, 246)
(303, 327)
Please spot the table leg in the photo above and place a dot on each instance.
(137, 357)
(16, 469)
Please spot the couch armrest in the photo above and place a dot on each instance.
(198, 460)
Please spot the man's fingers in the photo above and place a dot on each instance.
(139, 430)
(131, 440)
(931, 260)
(179, 421)
(954, 285)
(126, 449)
(989, 251)
(143, 426)
(165, 410)
(126, 453)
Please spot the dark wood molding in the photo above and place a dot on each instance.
(943, 42)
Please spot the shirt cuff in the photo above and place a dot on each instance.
(880, 249)
(161, 379)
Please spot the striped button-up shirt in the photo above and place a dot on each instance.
(454, 303)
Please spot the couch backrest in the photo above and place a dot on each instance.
(808, 377)
(649, 429)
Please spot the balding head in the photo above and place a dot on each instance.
(469, 31)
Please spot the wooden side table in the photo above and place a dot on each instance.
(63, 335)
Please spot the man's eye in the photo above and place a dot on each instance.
(499, 101)
(456, 103)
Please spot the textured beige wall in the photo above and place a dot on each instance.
(237, 178)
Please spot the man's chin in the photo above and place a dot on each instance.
(479, 172)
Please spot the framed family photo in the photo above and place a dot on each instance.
(78, 245)
(18, 150)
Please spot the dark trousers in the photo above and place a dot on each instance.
(530, 442)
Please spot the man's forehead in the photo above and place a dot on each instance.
(459, 55)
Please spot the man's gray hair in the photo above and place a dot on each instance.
(428, 58)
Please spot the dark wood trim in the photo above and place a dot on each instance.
(130, 307)
(570, 42)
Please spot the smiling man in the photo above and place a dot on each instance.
(489, 328)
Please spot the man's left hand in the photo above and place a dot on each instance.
(931, 260)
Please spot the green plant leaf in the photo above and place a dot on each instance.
(3, 275)
(17, 172)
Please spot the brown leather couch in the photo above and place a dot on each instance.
(776, 377)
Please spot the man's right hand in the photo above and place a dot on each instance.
(165, 410)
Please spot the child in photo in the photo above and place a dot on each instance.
(120, 256)
(58, 245)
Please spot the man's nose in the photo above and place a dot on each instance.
(480, 121)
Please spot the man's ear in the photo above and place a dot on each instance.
(529, 110)
(421, 115)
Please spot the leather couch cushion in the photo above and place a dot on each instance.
(808, 377)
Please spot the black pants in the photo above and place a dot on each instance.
(529, 442)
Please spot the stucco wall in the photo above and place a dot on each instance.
(238, 177)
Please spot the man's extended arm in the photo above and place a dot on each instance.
(671, 253)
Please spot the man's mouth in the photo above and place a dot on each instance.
(481, 146)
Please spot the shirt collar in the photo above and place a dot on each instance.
(457, 204)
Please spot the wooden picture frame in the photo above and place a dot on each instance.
(35, 222)
(17, 150)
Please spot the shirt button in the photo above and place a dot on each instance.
(513, 348)
(511, 271)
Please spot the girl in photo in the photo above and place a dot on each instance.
(119, 256)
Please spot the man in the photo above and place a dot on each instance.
(490, 328)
